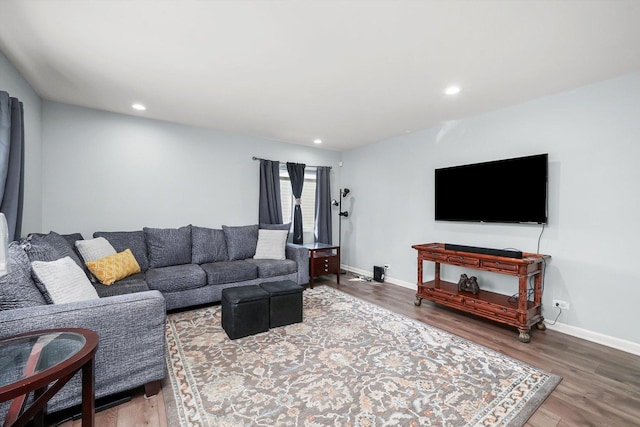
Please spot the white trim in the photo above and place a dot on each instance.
(387, 279)
(596, 337)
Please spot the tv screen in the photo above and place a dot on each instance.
(507, 191)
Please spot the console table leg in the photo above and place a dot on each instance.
(418, 301)
(541, 326)
(524, 336)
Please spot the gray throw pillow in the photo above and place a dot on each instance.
(208, 245)
(168, 246)
(63, 247)
(241, 241)
(134, 240)
(38, 249)
(17, 289)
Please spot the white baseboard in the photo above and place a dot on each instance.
(596, 337)
(387, 279)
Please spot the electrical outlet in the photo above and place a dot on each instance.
(387, 266)
(562, 304)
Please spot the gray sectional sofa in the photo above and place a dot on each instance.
(179, 267)
(191, 265)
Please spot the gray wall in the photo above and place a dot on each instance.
(106, 171)
(592, 135)
(11, 81)
(96, 170)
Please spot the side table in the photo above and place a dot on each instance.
(323, 259)
(42, 362)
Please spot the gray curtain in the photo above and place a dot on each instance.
(296, 175)
(270, 207)
(323, 205)
(11, 162)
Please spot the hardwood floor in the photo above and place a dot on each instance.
(600, 386)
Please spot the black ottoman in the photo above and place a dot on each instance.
(245, 311)
(285, 302)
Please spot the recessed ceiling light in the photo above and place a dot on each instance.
(452, 90)
(317, 141)
(138, 107)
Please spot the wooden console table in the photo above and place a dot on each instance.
(521, 312)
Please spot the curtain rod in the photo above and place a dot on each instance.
(311, 166)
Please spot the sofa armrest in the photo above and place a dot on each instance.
(131, 349)
(300, 255)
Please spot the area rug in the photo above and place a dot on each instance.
(349, 363)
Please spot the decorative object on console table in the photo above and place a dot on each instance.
(323, 259)
(521, 314)
(341, 214)
(468, 284)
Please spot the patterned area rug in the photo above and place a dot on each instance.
(349, 363)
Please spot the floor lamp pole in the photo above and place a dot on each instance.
(340, 215)
(340, 221)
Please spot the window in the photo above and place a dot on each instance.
(307, 201)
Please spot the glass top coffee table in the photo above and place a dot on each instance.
(42, 362)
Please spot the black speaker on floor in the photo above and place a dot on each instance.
(378, 273)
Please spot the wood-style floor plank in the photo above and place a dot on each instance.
(600, 386)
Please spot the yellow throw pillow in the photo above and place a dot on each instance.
(114, 267)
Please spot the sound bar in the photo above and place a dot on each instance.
(486, 251)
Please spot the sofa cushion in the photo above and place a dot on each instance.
(37, 249)
(114, 267)
(176, 278)
(62, 246)
(64, 279)
(229, 272)
(273, 268)
(134, 240)
(72, 239)
(241, 241)
(128, 285)
(208, 245)
(271, 244)
(17, 289)
(168, 246)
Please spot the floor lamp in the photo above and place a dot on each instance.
(341, 213)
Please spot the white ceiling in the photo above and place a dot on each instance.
(348, 72)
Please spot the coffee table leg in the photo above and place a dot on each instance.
(88, 394)
(38, 420)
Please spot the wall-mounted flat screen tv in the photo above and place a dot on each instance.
(505, 191)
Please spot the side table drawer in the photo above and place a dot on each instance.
(325, 265)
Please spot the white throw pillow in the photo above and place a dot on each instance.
(94, 249)
(64, 279)
(271, 244)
